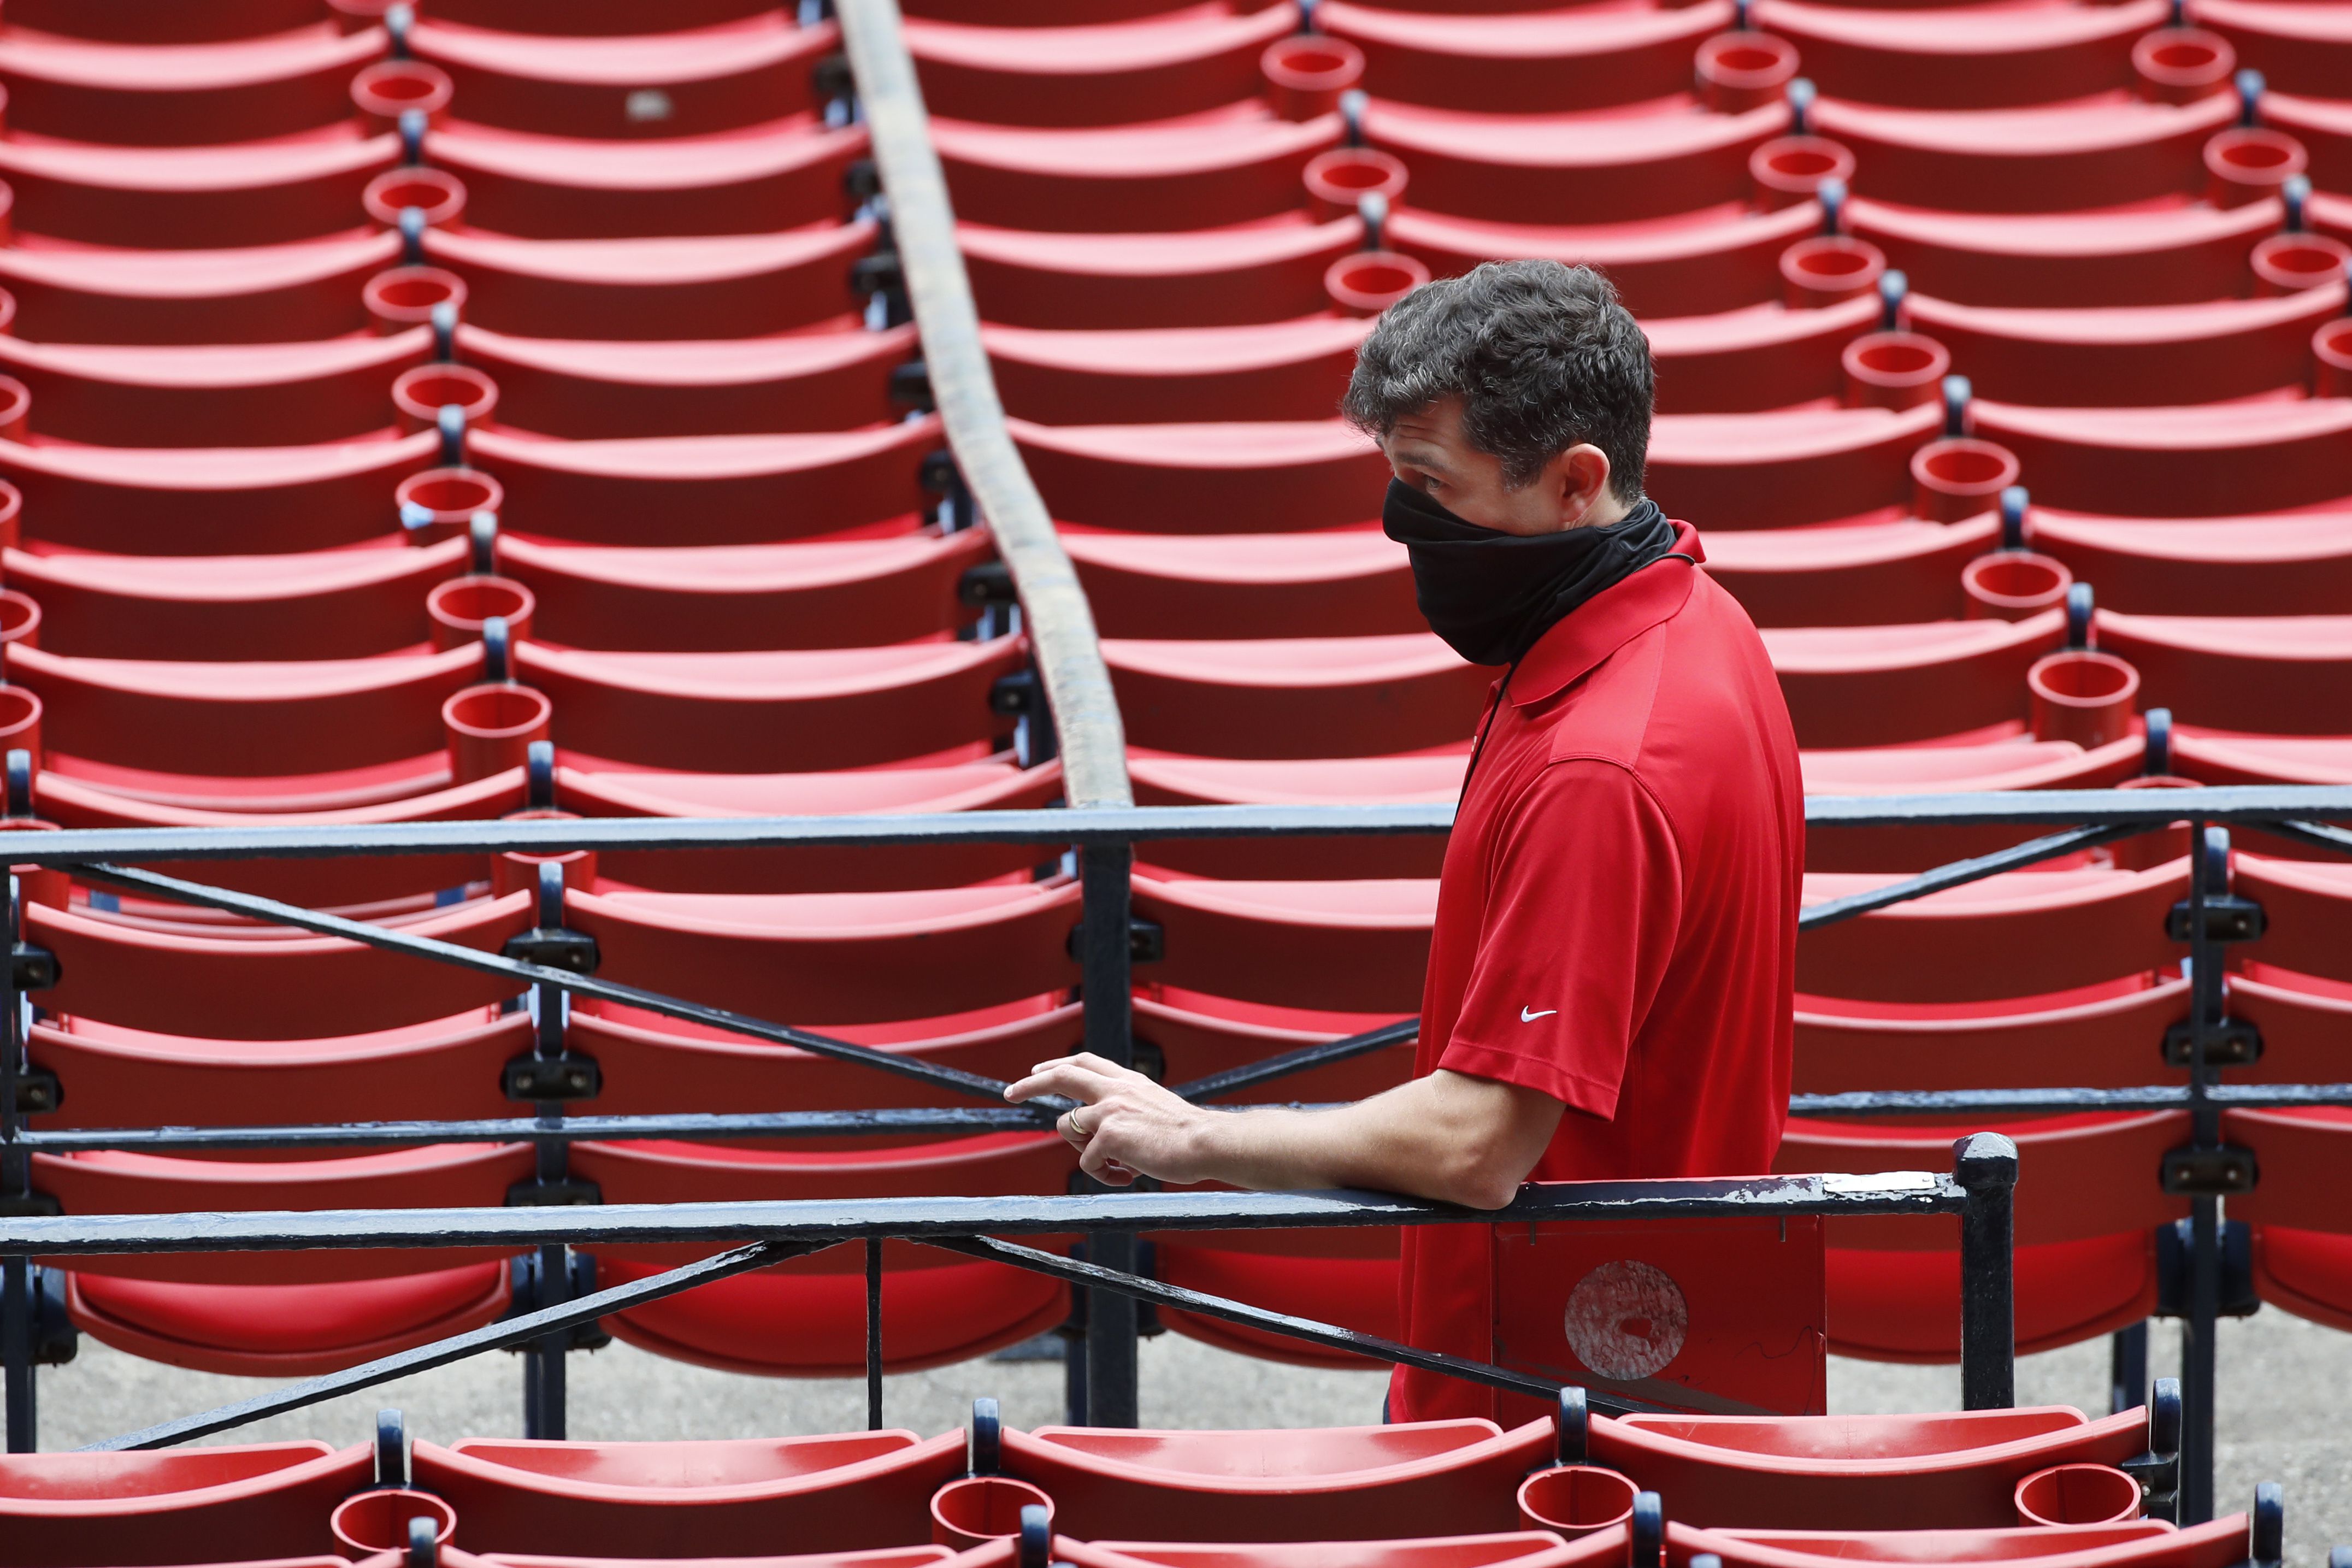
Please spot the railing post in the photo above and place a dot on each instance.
(18, 1301)
(1984, 1167)
(1110, 1341)
(2208, 868)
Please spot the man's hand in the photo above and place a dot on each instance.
(1125, 1125)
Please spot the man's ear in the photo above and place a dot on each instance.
(1583, 472)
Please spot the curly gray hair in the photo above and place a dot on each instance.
(1542, 355)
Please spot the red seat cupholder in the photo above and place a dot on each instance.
(434, 503)
(2077, 1494)
(2331, 359)
(2181, 65)
(2081, 696)
(20, 618)
(438, 193)
(1828, 268)
(973, 1511)
(368, 1522)
(2012, 584)
(1895, 370)
(15, 405)
(458, 607)
(20, 723)
(516, 871)
(1575, 1499)
(405, 297)
(1739, 71)
(2248, 162)
(1338, 179)
(2290, 263)
(2143, 851)
(1960, 476)
(1369, 281)
(421, 392)
(1304, 74)
(389, 88)
(1789, 169)
(490, 728)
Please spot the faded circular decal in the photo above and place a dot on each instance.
(1627, 1319)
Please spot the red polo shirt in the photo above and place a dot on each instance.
(1617, 922)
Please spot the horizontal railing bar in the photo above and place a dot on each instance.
(2317, 834)
(829, 1222)
(1331, 1335)
(458, 1347)
(2247, 804)
(1306, 1058)
(392, 940)
(2023, 1101)
(1959, 873)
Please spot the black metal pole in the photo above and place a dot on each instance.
(1984, 1164)
(873, 1333)
(2208, 866)
(544, 1383)
(2127, 1368)
(16, 1299)
(1110, 1344)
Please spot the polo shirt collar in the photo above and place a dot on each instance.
(1606, 622)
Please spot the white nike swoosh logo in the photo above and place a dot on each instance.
(1527, 1018)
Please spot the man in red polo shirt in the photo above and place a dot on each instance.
(1611, 967)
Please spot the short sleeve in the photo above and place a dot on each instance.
(1583, 900)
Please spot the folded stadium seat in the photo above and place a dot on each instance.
(1293, 370)
(1604, 170)
(2096, 152)
(2279, 674)
(1955, 59)
(591, 18)
(588, 390)
(1526, 64)
(249, 718)
(771, 711)
(2142, 1543)
(1878, 686)
(709, 489)
(2299, 48)
(1762, 357)
(212, 500)
(256, 982)
(1271, 476)
(817, 958)
(2290, 563)
(2308, 904)
(657, 289)
(1250, 274)
(1346, 581)
(1718, 257)
(1943, 766)
(2191, 461)
(1226, 166)
(700, 79)
(1525, 1549)
(736, 1497)
(1197, 1034)
(197, 199)
(995, 782)
(259, 294)
(317, 603)
(1787, 466)
(1296, 696)
(937, 1308)
(2302, 1255)
(1040, 13)
(2097, 1037)
(2324, 126)
(2226, 757)
(2173, 254)
(2087, 1208)
(1865, 574)
(165, 21)
(171, 1504)
(2302, 1019)
(235, 395)
(1169, 780)
(750, 180)
(808, 594)
(1116, 71)
(879, 1557)
(247, 90)
(2132, 355)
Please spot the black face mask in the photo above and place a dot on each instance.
(1490, 596)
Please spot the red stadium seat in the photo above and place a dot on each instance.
(2324, 126)
(735, 1496)
(2093, 154)
(1334, 582)
(751, 181)
(2173, 254)
(1947, 767)
(1293, 370)
(1785, 467)
(1228, 166)
(195, 198)
(2226, 757)
(169, 1505)
(2299, 48)
(1357, 946)
(1296, 696)
(261, 294)
(2107, 1039)
(1204, 478)
(1763, 357)
(247, 90)
(2215, 1544)
(2290, 563)
(165, 21)
(719, 76)
(591, 390)
(238, 394)
(1869, 574)
(1876, 686)
(2191, 461)
(1153, 67)
(591, 18)
(2280, 674)
(1162, 780)
(1247, 275)
(1550, 62)
(1528, 1549)
(1955, 59)
(659, 288)
(2301, 1257)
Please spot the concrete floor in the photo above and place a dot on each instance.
(2286, 1384)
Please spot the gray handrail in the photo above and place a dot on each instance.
(1061, 625)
